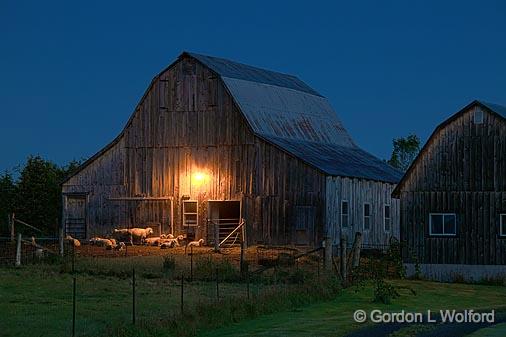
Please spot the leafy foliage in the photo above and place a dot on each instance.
(35, 196)
(385, 265)
(404, 152)
(384, 292)
(7, 195)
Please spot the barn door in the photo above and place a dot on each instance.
(227, 216)
(75, 216)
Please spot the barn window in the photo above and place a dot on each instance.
(190, 215)
(387, 221)
(344, 213)
(478, 116)
(502, 229)
(443, 224)
(367, 216)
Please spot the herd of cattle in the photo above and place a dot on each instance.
(137, 236)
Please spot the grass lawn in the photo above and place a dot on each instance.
(335, 318)
(498, 330)
(39, 303)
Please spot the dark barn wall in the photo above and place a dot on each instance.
(462, 170)
(188, 123)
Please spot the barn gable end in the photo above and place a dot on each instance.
(257, 137)
(454, 193)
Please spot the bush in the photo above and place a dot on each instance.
(206, 269)
(384, 292)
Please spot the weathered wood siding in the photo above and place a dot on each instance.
(188, 123)
(357, 192)
(462, 171)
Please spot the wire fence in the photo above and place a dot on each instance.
(153, 284)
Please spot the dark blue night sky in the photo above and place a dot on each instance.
(71, 75)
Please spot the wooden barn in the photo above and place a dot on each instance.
(214, 141)
(453, 197)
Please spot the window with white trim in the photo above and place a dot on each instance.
(387, 220)
(367, 216)
(345, 211)
(502, 225)
(442, 224)
(190, 214)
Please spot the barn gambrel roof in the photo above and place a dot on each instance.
(286, 112)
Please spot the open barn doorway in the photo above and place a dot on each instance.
(75, 207)
(226, 215)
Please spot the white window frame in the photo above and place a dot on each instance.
(369, 216)
(347, 214)
(185, 213)
(442, 234)
(501, 224)
(385, 217)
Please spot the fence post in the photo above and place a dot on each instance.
(318, 268)
(133, 296)
(191, 264)
(74, 306)
(343, 260)
(242, 266)
(216, 237)
(18, 251)
(247, 283)
(61, 242)
(11, 226)
(328, 253)
(182, 294)
(217, 286)
(356, 249)
(73, 258)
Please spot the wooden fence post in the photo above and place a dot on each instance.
(357, 244)
(343, 259)
(11, 226)
(18, 251)
(61, 242)
(328, 253)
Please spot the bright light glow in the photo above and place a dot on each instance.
(199, 178)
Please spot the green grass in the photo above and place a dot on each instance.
(35, 303)
(498, 330)
(335, 318)
(36, 300)
(412, 330)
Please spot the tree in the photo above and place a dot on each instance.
(405, 151)
(35, 197)
(7, 200)
(38, 194)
